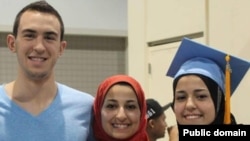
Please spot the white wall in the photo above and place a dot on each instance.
(225, 27)
(91, 17)
(229, 30)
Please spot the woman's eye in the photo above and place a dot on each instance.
(179, 98)
(131, 107)
(202, 96)
(110, 106)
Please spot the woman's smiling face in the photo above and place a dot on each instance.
(193, 102)
(120, 112)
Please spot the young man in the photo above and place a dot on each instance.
(35, 107)
(156, 125)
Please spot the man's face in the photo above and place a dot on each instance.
(37, 44)
(160, 126)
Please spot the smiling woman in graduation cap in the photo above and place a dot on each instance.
(204, 80)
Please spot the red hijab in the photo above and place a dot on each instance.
(103, 88)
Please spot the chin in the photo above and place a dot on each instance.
(121, 137)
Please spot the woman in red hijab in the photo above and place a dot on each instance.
(120, 110)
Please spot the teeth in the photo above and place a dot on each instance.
(192, 117)
(120, 125)
(37, 59)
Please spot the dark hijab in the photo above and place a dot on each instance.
(217, 97)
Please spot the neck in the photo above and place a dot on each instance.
(151, 139)
(32, 97)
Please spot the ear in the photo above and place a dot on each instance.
(11, 43)
(62, 47)
(151, 123)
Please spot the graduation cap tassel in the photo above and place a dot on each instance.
(227, 115)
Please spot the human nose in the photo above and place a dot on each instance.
(190, 103)
(39, 45)
(121, 113)
(165, 124)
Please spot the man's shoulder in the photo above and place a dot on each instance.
(65, 90)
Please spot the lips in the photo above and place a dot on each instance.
(39, 59)
(120, 126)
(196, 116)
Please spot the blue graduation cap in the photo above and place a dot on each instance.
(196, 58)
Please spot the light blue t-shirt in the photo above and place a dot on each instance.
(68, 118)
